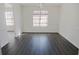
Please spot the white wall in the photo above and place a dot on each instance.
(18, 20)
(5, 36)
(69, 23)
(53, 19)
(3, 31)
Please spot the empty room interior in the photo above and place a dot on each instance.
(39, 28)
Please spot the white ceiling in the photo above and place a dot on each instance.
(43, 4)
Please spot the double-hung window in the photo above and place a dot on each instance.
(9, 18)
(40, 18)
(9, 15)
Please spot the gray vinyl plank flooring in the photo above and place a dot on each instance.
(40, 44)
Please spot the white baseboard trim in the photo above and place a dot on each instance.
(69, 40)
(0, 52)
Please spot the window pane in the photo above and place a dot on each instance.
(36, 21)
(43, 25)
(36, 12)
(10, 20)
(9, 23)
(9, 16)
(44, 16)
(44, 12)
(36, 18)
(43, 21)
(35, 25)
(8, 13)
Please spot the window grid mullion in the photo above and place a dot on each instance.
(40, 19)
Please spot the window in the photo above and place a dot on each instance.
(9, 15)
(40, 18)
(9, 18)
